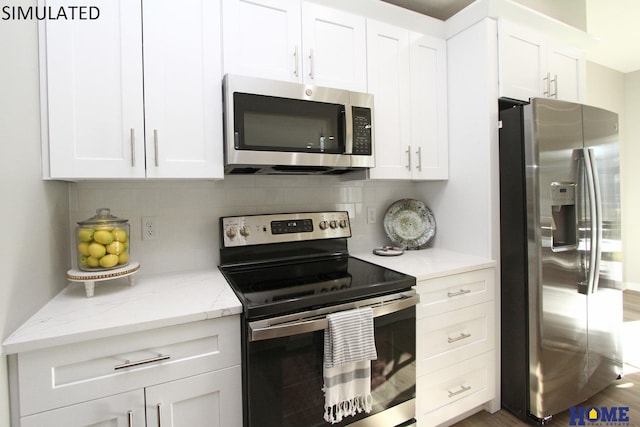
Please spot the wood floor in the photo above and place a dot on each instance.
(624, 392)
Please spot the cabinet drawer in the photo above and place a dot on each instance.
(67, 374)
(449, 392)
(455, 291)
(455, 336)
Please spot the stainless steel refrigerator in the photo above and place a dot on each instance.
(561, 288)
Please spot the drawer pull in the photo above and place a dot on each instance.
(128, 364)
(462, 336)
(159, 409)
(457, 392)
(460, 292)
(130, 418)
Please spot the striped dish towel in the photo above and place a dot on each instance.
(349, 347)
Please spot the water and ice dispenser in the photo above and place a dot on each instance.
(564, 224)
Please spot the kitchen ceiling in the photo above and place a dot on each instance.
(613, 23)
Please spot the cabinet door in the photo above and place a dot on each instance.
(523, 62)
(183, 99)
(91, 77)
(211, 399)
(335, 50)
(429, 140)
(388, 70)
(121, 410)
(567, 72)
(262, 38)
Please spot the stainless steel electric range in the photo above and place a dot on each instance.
(290, 271)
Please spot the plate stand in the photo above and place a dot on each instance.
(91, 277)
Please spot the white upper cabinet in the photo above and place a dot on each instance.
(533, 65)
(92, 101)
(334, 48)
(183, 98)
(96, 123)
(295, 41)
(407, 75)
(262, 38)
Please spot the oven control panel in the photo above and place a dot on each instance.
(278, 228)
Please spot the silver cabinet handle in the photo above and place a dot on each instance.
(295, 62)
(155, 146)
(547, 85)
(460, 292)
(133, 148)
(457, 392)
(311, 73)
(130, 418)
(408, 157)
(128, 364)
(419, 154)
(555, 85)
(158, 408)
(462, 336)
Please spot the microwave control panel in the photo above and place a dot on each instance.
(362, 140)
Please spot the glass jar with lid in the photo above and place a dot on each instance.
(102, 242)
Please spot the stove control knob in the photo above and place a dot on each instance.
(333, 224)
(245, 231)
(343, 223)
(323, 225)
(232, 232)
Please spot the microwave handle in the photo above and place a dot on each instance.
(348, 126)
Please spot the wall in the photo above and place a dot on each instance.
(631, 178)
(572, 12)
(188, 211)
(34, 214)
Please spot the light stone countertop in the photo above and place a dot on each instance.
(162, 300)
(428, 263)
(116, 308)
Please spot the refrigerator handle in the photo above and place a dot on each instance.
(595, 206)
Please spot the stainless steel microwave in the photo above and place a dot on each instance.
(274, 127)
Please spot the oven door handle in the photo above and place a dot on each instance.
(317, 320)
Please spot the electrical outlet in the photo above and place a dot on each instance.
(371, 215)
(149, 228)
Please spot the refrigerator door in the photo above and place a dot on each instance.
(558, 335)
(605, 300)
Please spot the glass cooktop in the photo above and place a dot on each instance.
(284, 287)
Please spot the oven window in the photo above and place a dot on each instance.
(284, 375)
(280, 124)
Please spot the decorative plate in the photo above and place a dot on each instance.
(409, 223)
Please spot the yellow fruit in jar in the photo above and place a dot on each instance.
(109, 260)
(83, 260)
(83, 248)
(103, 236)
(115, 248)
(120, 235)
(85, 234)
(93, 262)
(96, 250)
(123, 258)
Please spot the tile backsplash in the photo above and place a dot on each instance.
(187, 212)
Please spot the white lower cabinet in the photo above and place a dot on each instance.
(121, 410)
(186, 374)
(455, 345)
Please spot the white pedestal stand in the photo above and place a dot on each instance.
(91, 277)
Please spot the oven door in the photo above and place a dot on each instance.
(283, 372)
